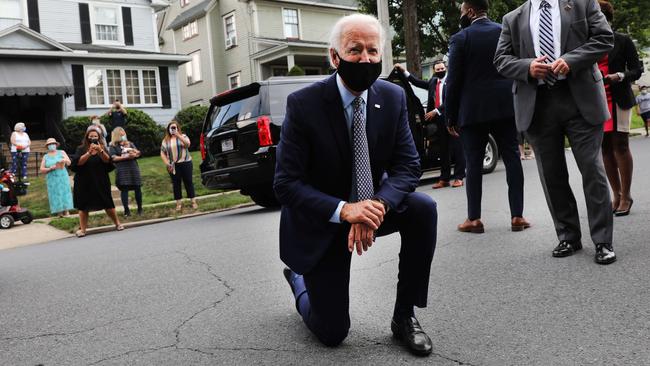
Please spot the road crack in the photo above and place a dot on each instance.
(65, 334)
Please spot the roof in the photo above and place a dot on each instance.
(195, 12)
(107, 49)
(347, 4)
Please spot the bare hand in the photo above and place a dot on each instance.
(360, 237)
(539, 69)
(399, 67)
(367, 212)
(613, 78)
(560, 67)
(429, 115)
(171, 169)
(453, 130)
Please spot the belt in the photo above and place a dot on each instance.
(558, 84)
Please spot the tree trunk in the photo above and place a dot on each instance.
(411, 37)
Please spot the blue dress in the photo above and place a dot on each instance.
(58, 185)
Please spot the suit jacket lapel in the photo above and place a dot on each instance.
(373, 118)
(336, 117)
(524, 30)
(566, 13)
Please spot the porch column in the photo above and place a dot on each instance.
(291, 62)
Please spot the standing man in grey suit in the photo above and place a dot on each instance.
(550, 48)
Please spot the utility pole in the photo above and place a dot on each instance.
(384, 19)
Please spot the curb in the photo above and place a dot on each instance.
(104, 229)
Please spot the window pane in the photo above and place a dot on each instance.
(114, 83)
(196, 66)
(230, 26)
(132, 86)
(106, 26)
(11, 9)
(94, 79)
(106, 32)
(290, 23)
(105, 15)
(234, 82)
(149, 87)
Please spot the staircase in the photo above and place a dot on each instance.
(37, 150)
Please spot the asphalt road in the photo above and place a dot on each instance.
(209, 291)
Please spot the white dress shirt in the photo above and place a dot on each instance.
(535, 13)
(347, 97)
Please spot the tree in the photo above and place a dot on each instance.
(296, 71)
(412, 37)
(437, 20)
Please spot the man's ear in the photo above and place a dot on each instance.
(334, 57)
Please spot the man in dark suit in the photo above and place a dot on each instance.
(450, 147)
(346, 171)
(550, 48)
(478, 103)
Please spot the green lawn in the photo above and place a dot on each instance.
(636, 121)
(156, 186)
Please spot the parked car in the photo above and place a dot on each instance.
(242, 129)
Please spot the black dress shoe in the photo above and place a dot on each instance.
(409, 331)
(605, 254)
(566, 248)
(287, 275)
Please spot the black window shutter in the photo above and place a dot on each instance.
(164, 87)
(128, 26)
(32, 14)
(84, 17)
(79, 81)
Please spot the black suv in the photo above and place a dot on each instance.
(242, 129)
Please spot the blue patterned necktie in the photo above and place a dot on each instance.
(546, 39)
(361, 158)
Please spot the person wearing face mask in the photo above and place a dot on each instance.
(53, 165)
(449, 146)
(346, 172)
(643, 107)
(92, 184)
(127, 172)
(479, 103)
(175, 153)
(96, 122)
(118, 114)
(20, 144)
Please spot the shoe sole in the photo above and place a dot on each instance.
(398, 337)
(473, 231)
(609, 261)
(568, 254)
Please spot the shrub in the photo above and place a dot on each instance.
(143, 131)
(296, 71)
(191, 120)
(73, 130)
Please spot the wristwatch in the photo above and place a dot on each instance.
(621, 76)
(386, 207)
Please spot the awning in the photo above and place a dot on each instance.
(33, 77)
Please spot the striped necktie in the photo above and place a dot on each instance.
(361, 157)
(546, 39)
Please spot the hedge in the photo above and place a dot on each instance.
(191, 121)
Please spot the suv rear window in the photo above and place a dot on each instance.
(242, 104)
(278, 98)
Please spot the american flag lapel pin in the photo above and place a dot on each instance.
(377, 106)
(567, 7)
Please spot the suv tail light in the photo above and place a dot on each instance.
(202, 144)
(264, 131)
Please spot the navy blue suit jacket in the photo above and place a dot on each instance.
(476, 92)
(314, 165)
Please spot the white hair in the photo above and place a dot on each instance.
(19, 127)
(337, 31)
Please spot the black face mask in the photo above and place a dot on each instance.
(465, 21)
(358, 76)
(441, 74)
(94, 141)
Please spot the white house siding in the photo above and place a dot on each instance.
(160, 115)
(59, 19)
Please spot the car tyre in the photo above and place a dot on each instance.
(491, 156)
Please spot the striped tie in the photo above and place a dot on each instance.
(546, 43)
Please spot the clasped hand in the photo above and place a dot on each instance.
(539, 69)
(365, 217)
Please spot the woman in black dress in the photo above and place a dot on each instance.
(127, 178)
(92, 186)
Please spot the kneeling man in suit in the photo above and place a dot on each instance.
(346, 172)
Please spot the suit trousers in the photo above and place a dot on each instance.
(451, 150)
(474, 138)
(328, 283)
(556, 116)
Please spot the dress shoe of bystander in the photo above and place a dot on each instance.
(409, 331)
(605, 254)
(472, 226)
(566, 248)
(519, 224)
(457, 183)
(440, 184)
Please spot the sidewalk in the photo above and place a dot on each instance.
(40, 231)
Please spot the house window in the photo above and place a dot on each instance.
(185, 3)
(234, 80)
(11, 9)
(106, 23)
(193, 68)
(190, 30)
(290, 17)
(134, 86)
(230, 30)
